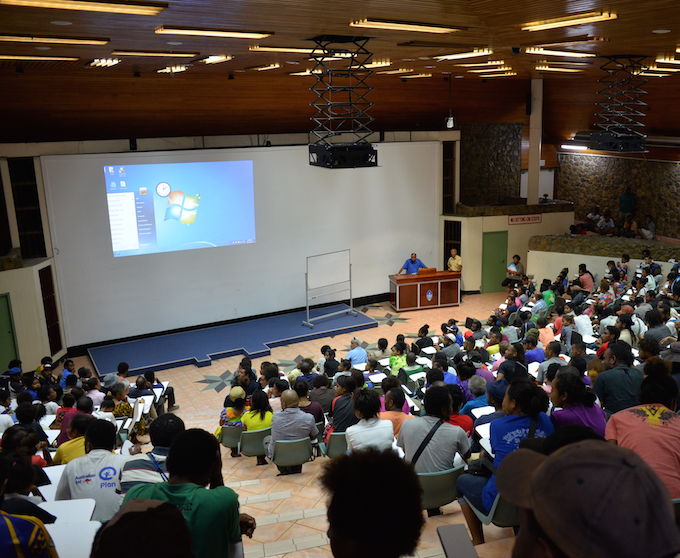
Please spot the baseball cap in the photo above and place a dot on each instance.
(593, 499)
(497, 389)
(237, 392)
(626, 309)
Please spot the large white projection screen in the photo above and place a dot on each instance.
(382, 214)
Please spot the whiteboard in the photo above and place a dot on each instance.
(327, 269)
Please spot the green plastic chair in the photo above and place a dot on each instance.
(251, 443)
(439, 488)
(502, 514)
(288, 453)
(337, 445)
(231, 436)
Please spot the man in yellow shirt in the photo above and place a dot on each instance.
(75, 447)
(455, 261)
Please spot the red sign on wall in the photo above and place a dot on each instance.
(525, 219)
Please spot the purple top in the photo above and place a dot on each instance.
(486, 374)
(580, 415)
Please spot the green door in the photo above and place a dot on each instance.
(494, 264)
(8, 340)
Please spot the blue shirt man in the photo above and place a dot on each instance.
(412, 266)
(357, 355)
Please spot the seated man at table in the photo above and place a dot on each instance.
(357, 354)
(412, 266)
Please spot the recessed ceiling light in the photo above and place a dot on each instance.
(543, 68)
(154, 54)
(104, 62)
(423, 58)
(240, 71)
(217, 59)
(430, 67)
(399, 71)
(472, 54)
(52, 40)
(61, 23)
(568, 21)
(175, 43)
(565, 53)
(172, 69)
(43, 48)
(661, 31)
(114, 7)
(413, 76)
(378, 64)
(459, 77)
(39, 58)
(295, 62)
(408, 59)
(497, 75)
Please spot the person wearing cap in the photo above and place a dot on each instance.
(531, 352)
(455, 262)
(451, 348)
(412, 265)
(524, 405)
(357, 354)
(618, 385)
(16, 386)
(588, 499)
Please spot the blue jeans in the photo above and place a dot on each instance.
(470, 488)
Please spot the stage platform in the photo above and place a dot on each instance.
(253, 338)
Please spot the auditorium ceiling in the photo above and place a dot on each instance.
(49, 100)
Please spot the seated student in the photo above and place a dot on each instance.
(495, 338)
(169, 394)
(275, 391)
(524, 404)
(545, 334)
(477, 387)
(344, 369)
(315, 409)
(141, 388)
(75, 445)
(308, 374)
(21, 496)
(610, 335)
(502, 349)
(652, 429)
(83, 406)
(648, 231)
(67, 406)
(606, 225)
(552, 355)
(394, 402)
(342, 408)
(457, 401)
(47, 396)
(123, 409)
(331, 366)
(26, 416)
(465, 371)
(576, 402)
(70, 383)
(99, 464)
(424, 339)
(269, 371)
(105, 411)
(386, 385)
(411, 366)
(194, 463)
(396, 513)
(291, 423)
(231, 416)
(514, 365)
(150, 468)
(93, 391)
(495, 393)
(398, 357)
(22, 535)
(450, 348)
(531, 352)
(370, 431)
(31, 384)
(319, 368)
(596, 480)
(382, 351)
(321, 393)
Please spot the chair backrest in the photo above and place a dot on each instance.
(251, 442)
(320, 426)
(502, 514)
(439, 488)
(288, 453)
(231, 436)
(337, 444)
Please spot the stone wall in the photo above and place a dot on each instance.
(587, 180)
(492, 210)
(490, 163)
(611, 247)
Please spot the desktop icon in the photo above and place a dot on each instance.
(142, 191)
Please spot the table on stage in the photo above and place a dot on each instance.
(428, 289)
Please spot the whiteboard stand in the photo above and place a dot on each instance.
(331, 270)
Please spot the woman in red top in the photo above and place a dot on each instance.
(456, 419)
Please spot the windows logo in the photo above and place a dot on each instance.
(181, 207)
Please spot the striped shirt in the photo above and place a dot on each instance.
(143, 470)
(23, 536)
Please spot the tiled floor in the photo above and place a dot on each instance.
(288, 526)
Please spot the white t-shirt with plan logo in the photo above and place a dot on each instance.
(95, 475)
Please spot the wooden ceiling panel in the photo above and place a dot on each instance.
(69, 100)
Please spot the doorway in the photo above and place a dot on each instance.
(8, 340)
(494, 260)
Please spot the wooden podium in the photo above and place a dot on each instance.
(428, 289)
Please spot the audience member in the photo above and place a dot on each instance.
(457, 401)
(150, 468)
(26, 414)
(525, 405)
(394, 401)
(47, 396)
(291, 423)
(83, 406)
(382, 351)
(396, 513)
(213, 517)
(307, 375)
(321, 393)
(95, 475)
(342, 408)
(477, 387)
(398, 357)
(514, 365)
(552, 355)
(21, 496)
(74, 447)
(370, 431)
(607, 502)
(575, 403)
(315, 409)
(105, 411)
(331, 365)
(357, 354)
(168, 393)
(618, 386)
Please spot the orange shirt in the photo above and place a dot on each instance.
(397, 418)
